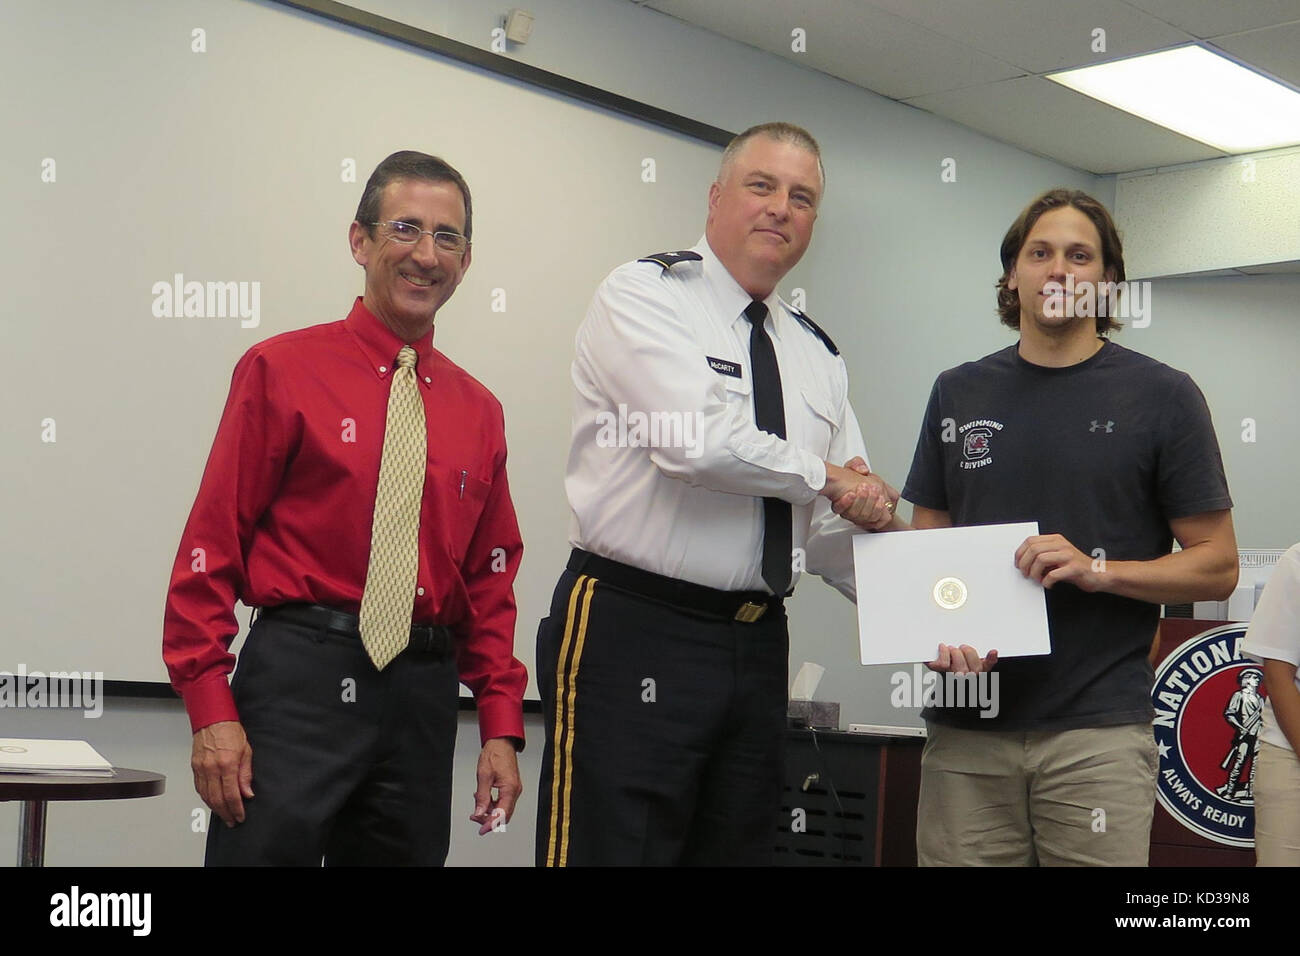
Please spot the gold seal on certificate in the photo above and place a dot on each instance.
(950, 593)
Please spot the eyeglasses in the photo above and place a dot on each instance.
(409, 234)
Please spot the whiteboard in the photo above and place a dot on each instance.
(132, 156)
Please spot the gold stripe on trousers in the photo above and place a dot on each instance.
(566, 692)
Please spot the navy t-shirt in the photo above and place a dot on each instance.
(1105, 453)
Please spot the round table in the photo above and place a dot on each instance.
(36, 790)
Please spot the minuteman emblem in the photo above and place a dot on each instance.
(1209, 705)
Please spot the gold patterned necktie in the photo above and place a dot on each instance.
(389, 597)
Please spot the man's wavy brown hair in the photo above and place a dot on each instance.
(1112, 250)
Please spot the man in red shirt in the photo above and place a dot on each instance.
(356, 494)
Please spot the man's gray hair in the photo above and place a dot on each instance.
(782, 133)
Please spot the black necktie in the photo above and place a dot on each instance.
(769, 415)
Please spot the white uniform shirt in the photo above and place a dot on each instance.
(1274, 632)
(667, 469)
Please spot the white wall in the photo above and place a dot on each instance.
(1239, 338)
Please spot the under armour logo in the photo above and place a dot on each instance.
(1109, 426)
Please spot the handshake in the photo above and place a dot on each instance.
(861, 497)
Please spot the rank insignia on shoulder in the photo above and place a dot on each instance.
(666, 260)
(815, 329)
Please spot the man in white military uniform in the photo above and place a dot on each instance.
(710, 424)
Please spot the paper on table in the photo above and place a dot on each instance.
(920, 589)
(72, 758)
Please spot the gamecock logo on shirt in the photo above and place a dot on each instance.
(976, 443)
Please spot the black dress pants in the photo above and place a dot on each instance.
(664, 731)
(350, 765)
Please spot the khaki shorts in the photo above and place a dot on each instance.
(1277, 806)
(1072, 798)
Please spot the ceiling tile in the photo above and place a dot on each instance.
(1045, 118)
(1212, 18)
(866, 46)
(1040, 36)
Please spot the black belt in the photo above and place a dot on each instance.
(432, 639)
(745, 606)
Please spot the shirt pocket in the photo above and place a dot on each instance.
(467, 499)
(818, 421)
(738, 389)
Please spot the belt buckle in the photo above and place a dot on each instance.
(750, 612)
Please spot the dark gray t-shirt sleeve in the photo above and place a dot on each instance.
(1189, 472)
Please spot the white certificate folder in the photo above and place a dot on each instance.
(72, 758)
(920, 589)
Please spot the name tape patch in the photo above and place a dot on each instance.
(723, 366)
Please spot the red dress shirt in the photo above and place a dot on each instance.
(284, 510)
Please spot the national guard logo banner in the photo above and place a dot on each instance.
(1209, 706)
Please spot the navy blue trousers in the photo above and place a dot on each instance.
(351, 766)
(664, 731)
